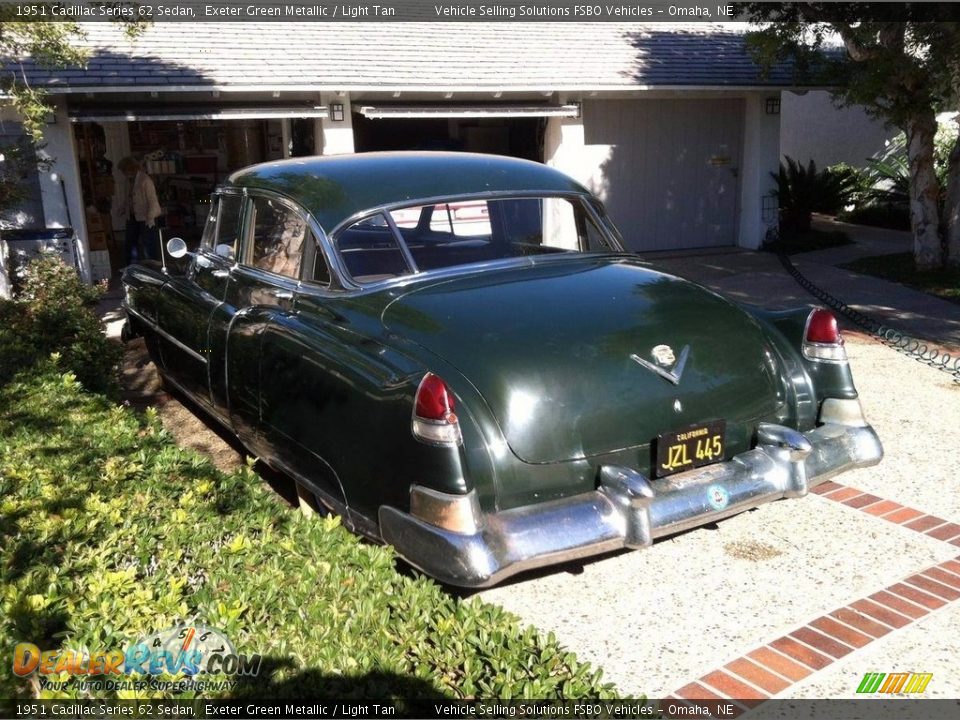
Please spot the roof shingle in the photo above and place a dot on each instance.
(410, 56)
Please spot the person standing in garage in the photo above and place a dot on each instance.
(139, 204)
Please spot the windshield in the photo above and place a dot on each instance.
(447, 234)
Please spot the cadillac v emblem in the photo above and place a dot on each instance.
(664, 357)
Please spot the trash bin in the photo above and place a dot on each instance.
(24, 244)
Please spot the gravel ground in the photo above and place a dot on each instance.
(656, 619)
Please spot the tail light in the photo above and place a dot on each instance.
(434, 413)
(821, 337)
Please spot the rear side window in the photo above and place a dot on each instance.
(370, 251)
(279, 238)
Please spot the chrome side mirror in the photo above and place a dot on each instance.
(176, 247)
(224, 250)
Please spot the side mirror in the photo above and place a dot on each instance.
(224, 250)
(176, 248)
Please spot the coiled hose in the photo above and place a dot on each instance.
(920, 350)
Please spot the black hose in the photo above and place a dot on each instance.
(921, 350)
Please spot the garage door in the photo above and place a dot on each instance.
(671, 176)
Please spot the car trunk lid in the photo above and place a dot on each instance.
(555, 349)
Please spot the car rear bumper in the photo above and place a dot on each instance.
(466, 547)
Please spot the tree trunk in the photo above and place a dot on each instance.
(5, 291)
(924, 192)
(951, 209)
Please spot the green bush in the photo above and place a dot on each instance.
(53, 312)
(109, 531)
(878, 214)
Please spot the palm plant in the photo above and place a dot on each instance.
(803, 190)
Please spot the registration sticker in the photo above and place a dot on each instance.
(718, 497)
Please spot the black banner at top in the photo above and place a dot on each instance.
(428, 11)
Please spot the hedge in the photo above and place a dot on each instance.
(109, 531)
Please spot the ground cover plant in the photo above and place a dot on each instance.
(110, 532)
(899, 267)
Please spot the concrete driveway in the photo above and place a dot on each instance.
(796, 599)
(776, 602)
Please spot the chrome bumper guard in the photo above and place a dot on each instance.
(476, 549)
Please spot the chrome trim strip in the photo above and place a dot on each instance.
(627, 510)
(167, 336)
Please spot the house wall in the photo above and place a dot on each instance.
(60, 185)
(761, 153)
(812, 127)
(713, 151)
(337, 135)
(30, 212)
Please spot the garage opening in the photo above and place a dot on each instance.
(187, 151)
(516, 137)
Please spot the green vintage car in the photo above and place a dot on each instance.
(455, 353)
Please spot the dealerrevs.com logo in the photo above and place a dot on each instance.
(185, 650)
(893, 683)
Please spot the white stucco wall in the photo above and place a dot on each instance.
(60, 185)
(565, 148)
(761, 153)
(812, 127)
(29, 213)
(337, 135)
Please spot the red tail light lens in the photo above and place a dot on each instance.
(822, 328)
(434, 399)
(434, 418)
(822, 339)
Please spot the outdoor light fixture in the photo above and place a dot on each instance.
(469, 111)
(336, 112)
(773, 106)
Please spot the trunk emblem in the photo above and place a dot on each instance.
(663, 354)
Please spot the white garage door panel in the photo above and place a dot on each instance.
(672, 172)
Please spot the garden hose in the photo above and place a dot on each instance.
(921, 350)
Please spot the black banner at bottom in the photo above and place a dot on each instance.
(868, 709)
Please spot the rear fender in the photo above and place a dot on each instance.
(829, 379)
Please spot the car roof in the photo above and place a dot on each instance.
(335, 187)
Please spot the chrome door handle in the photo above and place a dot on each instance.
(282, 294)
(220, 273)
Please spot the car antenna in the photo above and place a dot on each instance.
(163, 255)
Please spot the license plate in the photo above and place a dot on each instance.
(690, 448)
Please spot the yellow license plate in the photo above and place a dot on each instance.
(692, 447)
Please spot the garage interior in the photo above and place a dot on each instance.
(520, 137)
(187, 158)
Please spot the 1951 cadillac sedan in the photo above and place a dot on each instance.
(454, 352)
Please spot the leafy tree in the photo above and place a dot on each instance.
(903, 66)
(51, 45)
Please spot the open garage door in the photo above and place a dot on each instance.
(516, 130)
(672, 173)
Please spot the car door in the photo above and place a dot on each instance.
(188, 301)
(262, 285)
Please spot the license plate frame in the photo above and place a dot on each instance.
(691, 447)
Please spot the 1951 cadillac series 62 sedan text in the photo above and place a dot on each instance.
(454, 352)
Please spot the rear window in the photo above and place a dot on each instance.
(448, 234)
